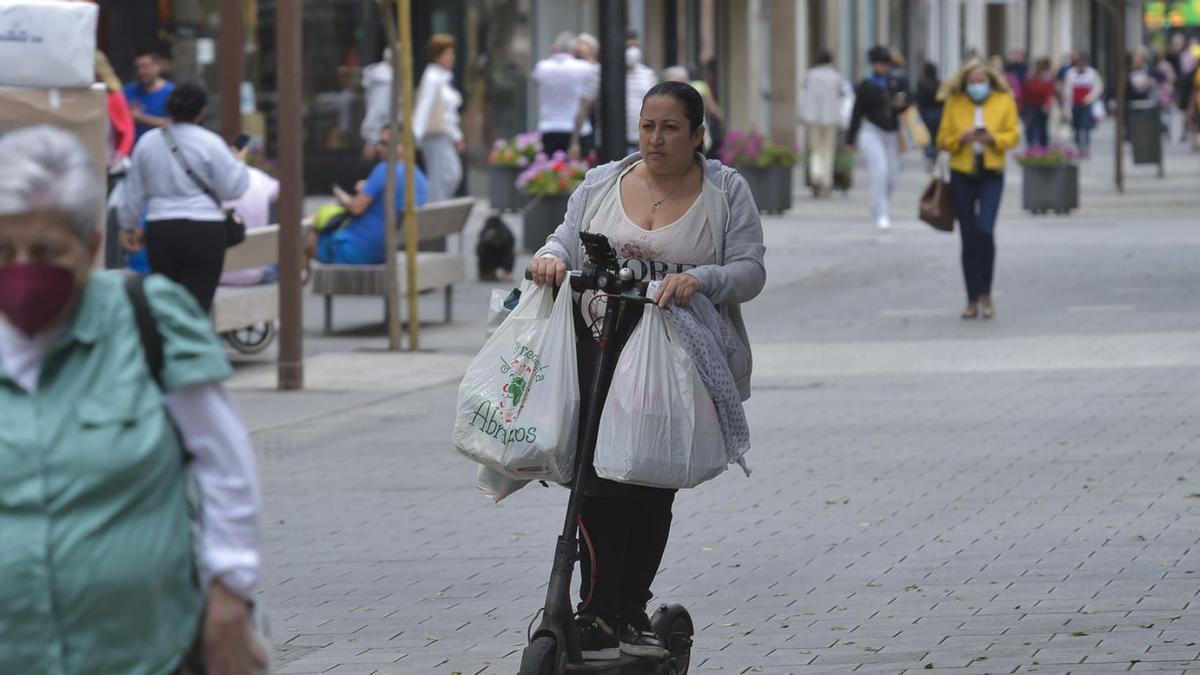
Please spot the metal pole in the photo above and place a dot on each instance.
(612, 80)
(1118, 27)
(230, 64)
(410, 187)
(389, 193)
(288, 26)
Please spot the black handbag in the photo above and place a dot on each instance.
(235, 229)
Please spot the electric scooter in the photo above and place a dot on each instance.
(554, 646)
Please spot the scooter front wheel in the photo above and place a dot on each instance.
(540, 657)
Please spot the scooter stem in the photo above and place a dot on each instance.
(558, 593)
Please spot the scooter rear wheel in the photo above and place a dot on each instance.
(540, 657)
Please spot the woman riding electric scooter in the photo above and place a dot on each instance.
(690, 223)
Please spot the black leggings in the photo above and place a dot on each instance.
(189, 252)
(624, 527)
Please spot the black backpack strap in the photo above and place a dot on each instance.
(152, 342)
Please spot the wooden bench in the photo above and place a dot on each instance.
(237, 307)
(435, 269)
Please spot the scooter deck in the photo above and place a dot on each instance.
(626, 665)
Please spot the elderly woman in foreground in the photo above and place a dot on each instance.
(98, 446)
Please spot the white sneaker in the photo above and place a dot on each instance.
(883, 223)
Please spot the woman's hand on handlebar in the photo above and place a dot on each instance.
(548, 270)
(677, 289)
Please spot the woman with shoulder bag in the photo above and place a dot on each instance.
(691, 224)
(181, 175)
(100, 427)
(979, 126)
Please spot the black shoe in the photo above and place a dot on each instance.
(638, 638)
(597, 640)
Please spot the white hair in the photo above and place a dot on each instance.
(565, 42)
(588, 40)
(676, 74)
(47, 168)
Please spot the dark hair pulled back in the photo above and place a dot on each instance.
(187, 101)
(688, 97)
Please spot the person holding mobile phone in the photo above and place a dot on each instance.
(361, 239)
(879, 100)
(979, 126)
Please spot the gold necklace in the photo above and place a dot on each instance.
(655, 204)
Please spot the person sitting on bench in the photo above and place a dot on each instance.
(359, 239)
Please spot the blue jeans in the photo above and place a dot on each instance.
(976, 199)
(338, 248)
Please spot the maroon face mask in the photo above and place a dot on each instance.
(33, 294)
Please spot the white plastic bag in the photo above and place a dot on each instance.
(659, 427)
(496, 485)
(518, 403)
(497, 312)
(46, 44)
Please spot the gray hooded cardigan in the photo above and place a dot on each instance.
(737, 233)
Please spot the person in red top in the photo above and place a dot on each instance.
(121, 130)
(1037, 97)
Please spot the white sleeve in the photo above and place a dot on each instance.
(427, 92)
(131, 200)
(225, 472)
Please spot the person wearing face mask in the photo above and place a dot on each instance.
(691, 224)
(98, 573)
(638, 79)
(979, 126)
(874, 126)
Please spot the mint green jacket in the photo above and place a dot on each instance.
(97, 571)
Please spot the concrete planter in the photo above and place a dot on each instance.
(542, 216)
(502, 189)
(771, 187)
(1050, 188)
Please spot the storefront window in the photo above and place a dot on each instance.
(500, 57)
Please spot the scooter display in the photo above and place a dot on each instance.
(554, 645)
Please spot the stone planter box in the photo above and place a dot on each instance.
(771, 187)
(502, 189)
(542, 216)
(1050, 188)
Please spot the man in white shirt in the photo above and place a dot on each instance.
(638, 80)
(821, 110)
(563, 85)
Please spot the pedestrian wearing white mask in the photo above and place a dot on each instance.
(639, 78)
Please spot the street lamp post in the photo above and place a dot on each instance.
(612, 80)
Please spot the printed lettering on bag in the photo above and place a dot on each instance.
(495, 418)
(523, 371)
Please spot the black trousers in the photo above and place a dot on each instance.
(189, 252)
(623, 528)
(553, 141)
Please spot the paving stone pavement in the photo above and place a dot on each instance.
(1013, 496)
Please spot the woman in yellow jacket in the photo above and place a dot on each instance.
(979, 125)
